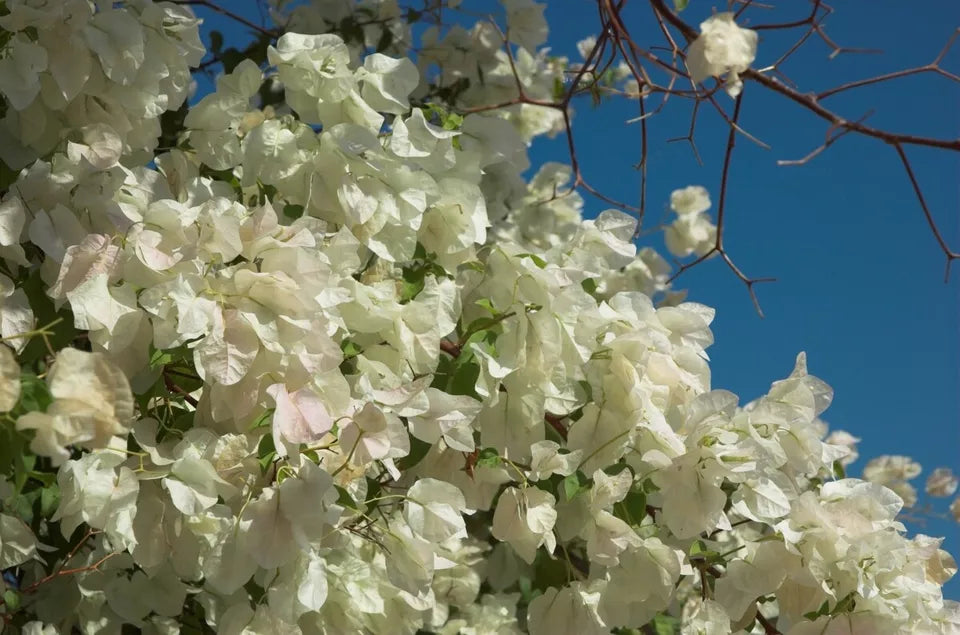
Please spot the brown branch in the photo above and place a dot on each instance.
(225, 12)
(173, 387)
(932, 67)
(768, 626)
(809, 101)
(556, 422)
(688, 32)
(62, 572)
(718, 247)
(950, 254)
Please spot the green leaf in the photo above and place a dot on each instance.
(293, 212)
(823, 610)
(549, 572)
(59, 323)
(573, 485)
(344, 498)
(11, 599)
(12, 445)
(266, 452)
(181, 355)
(680, 5)
(49, 500)
(633, 508)
(350, 348)
(540, 262)
(838, 470)
(485, 303)
(263, 420)
(846, 605)
(665, 625)
(489, 457)
(34, 394)
(418, 450)
(559, 90)
(464, 379)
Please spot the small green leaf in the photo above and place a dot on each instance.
(293, 212)
(540, 262)
(414, 279)
(263, 420)
(846, 605)
(549, 572)
(489, 457)
(488, 305)
(665, 625)
(680, 5)
(344, 498)
(266, 452)
(573, 485)
(11, 599)
(350, 348)
(49, 500)
(633, 508)
(418, 450)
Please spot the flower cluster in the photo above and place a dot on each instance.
(332, 366)
(70, 68)
(723, 48)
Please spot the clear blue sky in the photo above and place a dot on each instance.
(860, 279)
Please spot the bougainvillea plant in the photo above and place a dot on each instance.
(313, 356)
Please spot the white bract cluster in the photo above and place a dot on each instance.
(723, 48)
(692, 232)
(71, 67)
(332, 366)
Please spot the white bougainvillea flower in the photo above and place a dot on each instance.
(92, 403)
(20, 69)
(9, 380)
(525, 519)
(705, 617)
(372, 434)
(692, 199)
(12, 219)
(433, 510)
(891, 468)
(722, 48)
(448, 417)
(586, 45)
(387, 83)
(546, 459)
(941, 482)
(526, 25)
(300, 417)
(17, 542)
(16, 316)
(571, 610)
(691, 234)
(227, 353)
(846, 440)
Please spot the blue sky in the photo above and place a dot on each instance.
(859, 276)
